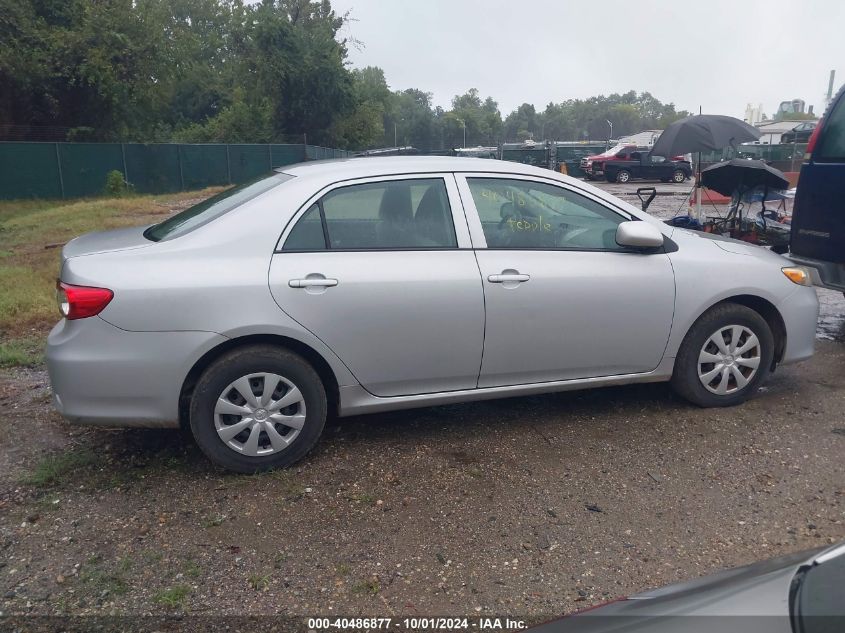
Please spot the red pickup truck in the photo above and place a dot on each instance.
(593, 166)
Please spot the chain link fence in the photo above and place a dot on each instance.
(72, 170)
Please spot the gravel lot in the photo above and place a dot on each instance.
(527, 506)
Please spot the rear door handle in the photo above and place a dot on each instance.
(312, 283)
(504, 278)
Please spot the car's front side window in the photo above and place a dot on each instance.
(390, 215)
(524, 214)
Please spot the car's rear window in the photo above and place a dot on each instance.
(212, 208)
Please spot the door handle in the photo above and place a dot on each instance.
(506, 277)
(312, 283)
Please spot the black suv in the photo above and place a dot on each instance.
(818, 219)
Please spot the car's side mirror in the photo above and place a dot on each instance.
(639, 235)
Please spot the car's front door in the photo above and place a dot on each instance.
(563, 300)
(381, 271)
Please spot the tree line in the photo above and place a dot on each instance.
(226, 71)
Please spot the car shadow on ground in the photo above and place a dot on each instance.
(622, 411)
(447, 424)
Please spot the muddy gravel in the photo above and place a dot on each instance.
(531, 506)
(526, 506)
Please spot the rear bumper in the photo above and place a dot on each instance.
(103, 375)
(824, 274)
(800, 313)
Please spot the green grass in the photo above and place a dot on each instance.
(22, 352)
(259, 582)
(215, 521)
(173, 597)
(368, 587)
(192, 569)
(31, 234)
(56, 470)
(99, 580)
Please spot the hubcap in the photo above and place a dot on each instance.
(259, 414)
(729, 360)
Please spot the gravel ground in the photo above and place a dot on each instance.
(528, 506)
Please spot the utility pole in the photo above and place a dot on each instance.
(463, 123)
(610, 138)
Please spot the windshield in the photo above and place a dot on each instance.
(212, 208)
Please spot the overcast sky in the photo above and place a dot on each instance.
(717, 54)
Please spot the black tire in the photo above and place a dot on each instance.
(685, 378)
(243, 362)
(678, 176)
(623, 176)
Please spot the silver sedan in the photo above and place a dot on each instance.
(372, 284)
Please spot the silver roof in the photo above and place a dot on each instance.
(390, 165)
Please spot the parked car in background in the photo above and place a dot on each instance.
(800, 133)
(593, 166)
(797, 593)
(818, 218)
(644, 165)
(352, 286)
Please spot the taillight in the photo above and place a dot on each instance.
(79, 302)
(811, 144)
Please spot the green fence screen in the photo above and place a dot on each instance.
(72, 170)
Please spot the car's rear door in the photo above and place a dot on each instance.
(818, 220)
(563, 300)
(381, 270)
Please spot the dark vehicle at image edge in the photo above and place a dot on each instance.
(818, 219)
(644, 165)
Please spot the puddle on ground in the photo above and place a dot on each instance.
(831, 315)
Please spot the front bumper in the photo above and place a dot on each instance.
(800, 313)
(101, 374)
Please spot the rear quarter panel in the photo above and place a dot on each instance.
(214, 279)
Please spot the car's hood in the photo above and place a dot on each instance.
(751, 582)
(728, 597)
(737, 247)
(106, 241)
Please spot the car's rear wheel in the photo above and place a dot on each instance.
(623, 176)
(258, 408)
(724, 357)
(678, 176)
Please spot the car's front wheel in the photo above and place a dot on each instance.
(257, 408)
(678, 176)
(724, 357)
(623, 176)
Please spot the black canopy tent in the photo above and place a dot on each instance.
(703, 133)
